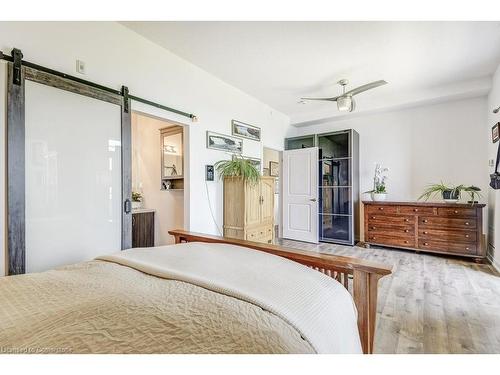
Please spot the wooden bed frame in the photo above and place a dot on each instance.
(364, 275)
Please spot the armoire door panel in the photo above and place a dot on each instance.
(252, 204)
(267, 201)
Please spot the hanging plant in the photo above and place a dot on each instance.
(238, 167)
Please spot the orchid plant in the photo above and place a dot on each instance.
(379, 180)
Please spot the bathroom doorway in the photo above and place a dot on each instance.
(158, 171)
(272, 167)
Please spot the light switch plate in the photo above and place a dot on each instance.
(80, 66)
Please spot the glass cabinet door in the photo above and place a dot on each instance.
(299, 142)
(335, 188)
(335, 172)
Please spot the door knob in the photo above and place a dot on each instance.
(313, 199)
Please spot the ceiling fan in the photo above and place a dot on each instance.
(345, 101)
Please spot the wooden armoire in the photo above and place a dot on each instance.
(249, 209)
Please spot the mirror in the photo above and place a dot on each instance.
(172, 153)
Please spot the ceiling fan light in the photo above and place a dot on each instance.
(344, 104)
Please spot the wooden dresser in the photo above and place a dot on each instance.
(447, 228)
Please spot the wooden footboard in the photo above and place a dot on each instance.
(364, 275)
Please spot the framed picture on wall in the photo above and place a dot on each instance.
(223, 142)
(245, 130)
(274, 169)
(495, 136)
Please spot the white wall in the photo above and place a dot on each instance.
(115, 56)
(494, 195)
(146, 178)
(420, 145)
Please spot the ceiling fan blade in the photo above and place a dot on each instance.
(328, 99)
(368, 86)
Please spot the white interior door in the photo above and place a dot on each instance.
(73, 177)
(300, 194)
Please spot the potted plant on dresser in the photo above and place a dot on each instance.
(379, 191)
(136, 200)
(451, 194)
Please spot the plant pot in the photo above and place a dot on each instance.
(378, 197)
(136, 205)
(451, 196)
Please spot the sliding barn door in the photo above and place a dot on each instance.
(73, 177)
(300, 194)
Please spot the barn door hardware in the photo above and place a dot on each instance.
(17, 56)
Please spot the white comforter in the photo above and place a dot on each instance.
(316, 305)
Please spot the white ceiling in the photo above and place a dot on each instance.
(278, 62)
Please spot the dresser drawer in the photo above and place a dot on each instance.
(391, 230)
(260, 234)
(253, 234)
(448, 235)
(450, 247)
(381, 209)
(391, 241)
(446, 222)
(412, 210)
(457, 212)
(377, 219)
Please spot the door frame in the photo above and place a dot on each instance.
(17, 74)
(279, 191)
(161, 115)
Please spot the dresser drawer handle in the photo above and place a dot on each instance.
(425, 232)
(373, 217)
(466, 236)
(407, 220)
(426, 243)
(415, 209)
(406, 241)
(455, 212)
(406, 230)
(373, 228)
(466, 248)
(425, 221)
(466, 223)
(381, 208)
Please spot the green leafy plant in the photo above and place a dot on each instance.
(474, 193)
(238, 167)
(453, 192)
(136, 197)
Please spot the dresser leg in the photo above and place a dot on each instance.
(478, 260)
(367, 245)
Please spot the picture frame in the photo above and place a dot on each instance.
(495, 132)
(274, 169)
(222, 142)
(257, 163)
(244, 130)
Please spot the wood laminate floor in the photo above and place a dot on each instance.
(430, 304)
